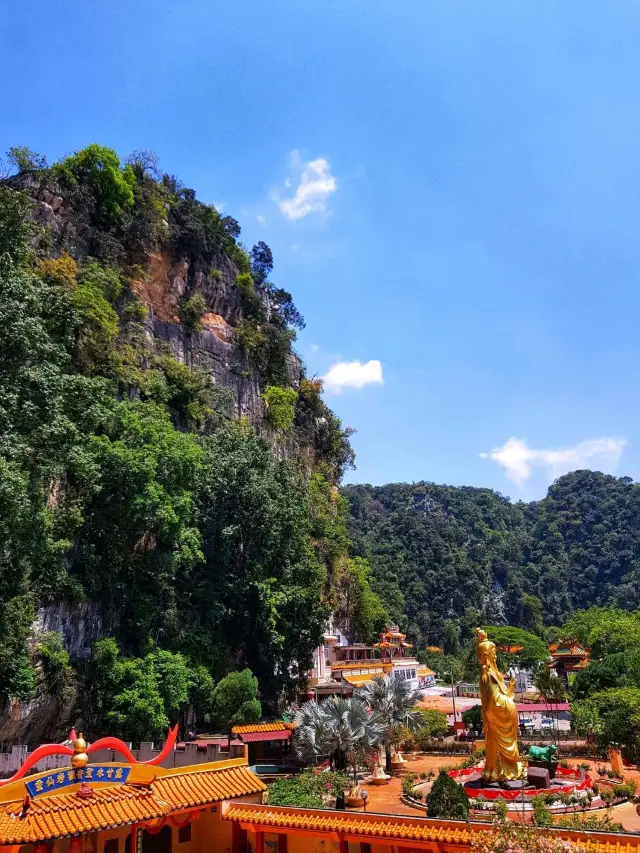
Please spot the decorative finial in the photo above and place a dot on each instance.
(79, 757)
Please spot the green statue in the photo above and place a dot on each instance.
(543, 753)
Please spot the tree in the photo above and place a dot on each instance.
(451, 639)
(472, 717)
(551, 687)
(235, 700)
(393, 703)
(533, 650)
(261, 263)
(620, 669)
(134, 698)
(98, 168)
(614, 717)
(337, 728)
(26, 160)
(447, 799)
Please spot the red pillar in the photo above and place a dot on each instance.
(282, 843)
(344, 845)
(259, 841)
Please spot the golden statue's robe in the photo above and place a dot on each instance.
(500, 717)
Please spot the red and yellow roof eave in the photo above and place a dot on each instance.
(74, 800)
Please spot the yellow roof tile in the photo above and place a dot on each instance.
(262, 727)
(68, 814)
(196, 787)
(60, 815)
(403, 828)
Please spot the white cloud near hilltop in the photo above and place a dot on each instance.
(518, 459)
(315, 185)
(352, 374)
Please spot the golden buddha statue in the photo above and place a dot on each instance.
(500, 716)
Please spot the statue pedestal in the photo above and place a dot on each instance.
(551, 766)
(539, 777)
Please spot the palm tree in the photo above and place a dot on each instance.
(552, 689)
(338, 729)
(392, 703)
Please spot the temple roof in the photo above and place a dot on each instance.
(90, 808)
(278, 726)
(400, 828)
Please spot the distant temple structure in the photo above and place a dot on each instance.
(568, 657)
(341, 666)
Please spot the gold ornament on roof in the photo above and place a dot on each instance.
(499, 714)
(79, 757)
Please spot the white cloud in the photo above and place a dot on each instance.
(315, 185)
(260, 218)
(219, 206)
(518, 459)
(352, 374)
(314, 347)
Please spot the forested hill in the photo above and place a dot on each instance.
(445, 559)
(168, 472)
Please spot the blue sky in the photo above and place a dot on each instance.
(450, 188)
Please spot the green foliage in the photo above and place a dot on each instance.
(26, 160)
(534, 651)
(58, 674)
(613, 715)
(307, 790)
(97, 288)
(281, 406)
(235, 700)
(135, 698)
(542, 814)
(191, 311)
(527, 563)
(122, 479)
(431, 723)
(447, 799)
(289, 792)
(363, 608)
(99, 170)
(473, 717)
(605, 630)
(620, 669)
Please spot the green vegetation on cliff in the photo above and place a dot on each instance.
(126, 477)
(446, 559)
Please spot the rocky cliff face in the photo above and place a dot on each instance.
(161, 281)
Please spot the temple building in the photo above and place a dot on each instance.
(568, 657)
(90, 804)
(340, 666)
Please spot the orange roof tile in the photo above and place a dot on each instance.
(195, 787)
(424, 671)
(69, 814)
(59, 815)
(358, 680)
(262, 727)
(400, 828)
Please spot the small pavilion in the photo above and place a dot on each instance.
(568, 657)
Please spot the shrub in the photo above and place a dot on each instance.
(62, 271)
(408, 784)
(501, 810)
(542, 815)
(447, 799)
(626, 790)
(26, 160)
(98, 169)
(191, 311)
(281, 406)
(97, 288)
(308, 789)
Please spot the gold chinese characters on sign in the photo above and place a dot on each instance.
(500, 716)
